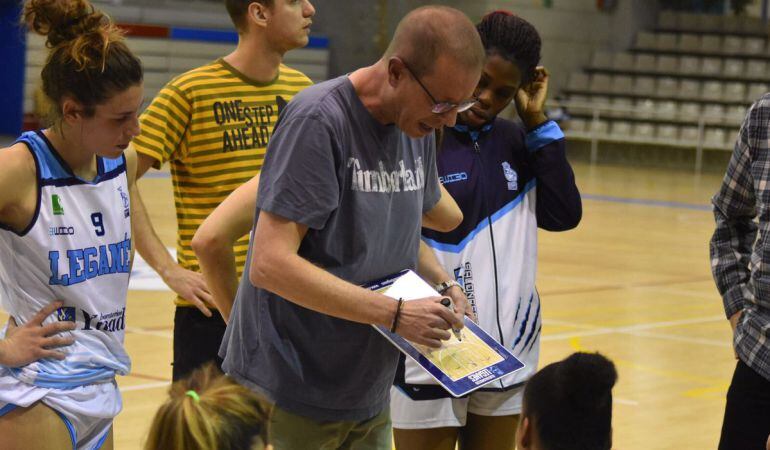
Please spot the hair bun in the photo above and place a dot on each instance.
(62, 20)
(592, 377)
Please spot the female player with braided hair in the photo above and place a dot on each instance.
(509, 179)
(65, 234)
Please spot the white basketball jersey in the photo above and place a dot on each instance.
(76, 249)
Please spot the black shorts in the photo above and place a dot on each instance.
(196, 340)
(746, 424)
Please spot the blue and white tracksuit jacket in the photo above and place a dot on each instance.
(507, 182)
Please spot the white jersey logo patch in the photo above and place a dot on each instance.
(511, 176)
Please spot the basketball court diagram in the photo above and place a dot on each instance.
(458, 359)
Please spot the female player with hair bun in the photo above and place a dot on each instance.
(65, 237)
(568, 404)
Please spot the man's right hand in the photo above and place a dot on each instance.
(33, 341)
(427, 322)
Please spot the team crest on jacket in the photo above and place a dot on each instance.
(511, 176)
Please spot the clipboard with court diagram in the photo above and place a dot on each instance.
(460, 366)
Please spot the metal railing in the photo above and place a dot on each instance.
(598, 111)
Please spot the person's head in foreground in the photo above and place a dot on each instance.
(210, 411)
(568, 405)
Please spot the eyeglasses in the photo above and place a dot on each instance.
(441, 107)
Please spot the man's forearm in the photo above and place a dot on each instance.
(428, 266)
(296, 279)
(217, 264)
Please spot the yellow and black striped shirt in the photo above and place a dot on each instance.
(212, 124)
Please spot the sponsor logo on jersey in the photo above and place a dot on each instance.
(114, 321)
(111, 322)
(464, 276)
(453, 177)
(61, 231)
(66, 314)
(511, 176)
(124, 199)
(58, 209)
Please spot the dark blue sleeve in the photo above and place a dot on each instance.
(559, 206)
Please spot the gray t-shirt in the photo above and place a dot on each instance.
(361, 188)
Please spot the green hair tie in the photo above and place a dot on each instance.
(194, 396)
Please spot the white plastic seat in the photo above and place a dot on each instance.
(689, 110)
(667, 64)
(645, 108)
(667, 109)
(733, 45)
(645, 40)
(667, 133)
(600, 127)
(735, 115)
(576, 125)
(578, 81)
(734, 91)
(644, 131)
(711, 66)
(600, 83)
(756, 68)
(734, 68)
(667, 87)
(689, 65)
(713, 113)
(622, 84)
(602, 59)
(754, 46)
(623, 61)
(620, 129)
(644, 85)
(689, 89)
(688, 134)
(714, 137)
(711, 43)
(712, 90)
(756, 90)
(666, 41)
(689, 43)
(621, 107)
(644, 63)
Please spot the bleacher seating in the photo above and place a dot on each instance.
(687, 83)
(164, 58)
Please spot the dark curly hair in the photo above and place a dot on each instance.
(512, 38)
(569, 403)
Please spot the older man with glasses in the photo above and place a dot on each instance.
(348, 174)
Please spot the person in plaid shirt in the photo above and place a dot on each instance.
(740, 263)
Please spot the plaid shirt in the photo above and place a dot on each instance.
(740, 247)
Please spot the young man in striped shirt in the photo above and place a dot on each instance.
(212, 124)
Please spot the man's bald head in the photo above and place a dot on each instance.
(432, 32)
